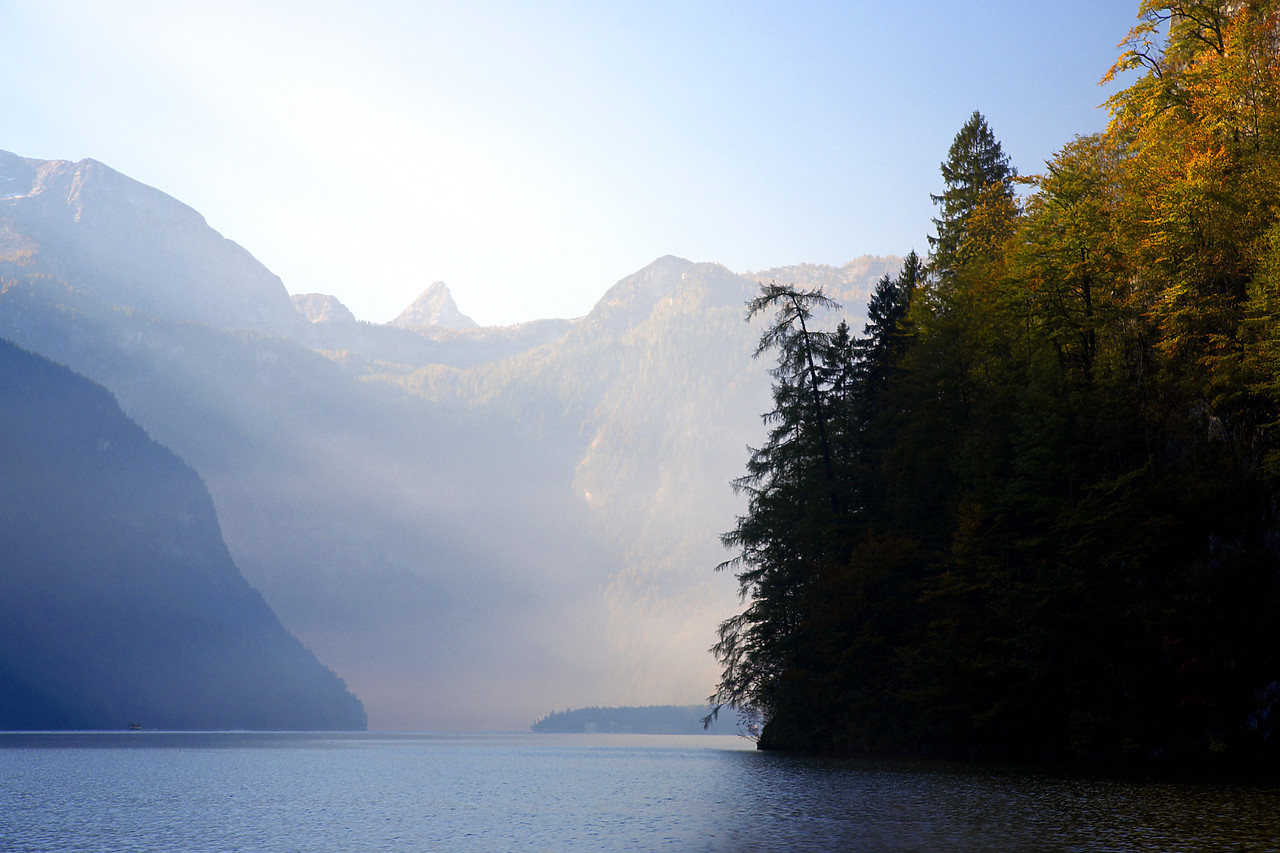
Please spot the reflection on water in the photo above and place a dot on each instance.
(885, 805)
(156, 791)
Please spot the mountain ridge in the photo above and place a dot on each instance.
(137, 245)
(470, 525)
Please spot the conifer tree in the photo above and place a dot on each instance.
(791, 488)
(979, 180)
(885, 336)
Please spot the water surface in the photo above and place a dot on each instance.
(151, 791)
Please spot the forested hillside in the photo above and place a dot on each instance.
(1032, 511)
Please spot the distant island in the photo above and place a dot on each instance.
(647, 719)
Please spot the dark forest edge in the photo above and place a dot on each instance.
(1033, 512)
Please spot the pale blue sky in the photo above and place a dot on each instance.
(531, 154)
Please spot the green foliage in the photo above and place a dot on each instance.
(1054, 532)
(792, 500)
(978, 199)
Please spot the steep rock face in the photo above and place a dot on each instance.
(434, 308)
(133, 246)
(322, 308)
(118, 599)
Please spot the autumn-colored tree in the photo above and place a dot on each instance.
(1043, 520)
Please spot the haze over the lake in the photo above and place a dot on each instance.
(471, 526)
(475, 523)
(526, 154)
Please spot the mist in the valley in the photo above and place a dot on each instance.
(472, 527)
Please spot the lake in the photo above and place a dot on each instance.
(156, 791)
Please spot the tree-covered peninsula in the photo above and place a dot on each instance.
(1033, 511)
(628, 719)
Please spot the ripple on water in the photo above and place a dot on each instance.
(245, 792)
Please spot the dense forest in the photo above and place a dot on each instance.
(1033, 511)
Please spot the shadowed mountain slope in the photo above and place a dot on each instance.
(119, 601)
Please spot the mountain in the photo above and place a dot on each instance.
(430, 331)
(434, 307)
(382, 348)
(322, 308)
(422, 553)
(119, 601)
(469, 525)
(130, 245)
(655, 397)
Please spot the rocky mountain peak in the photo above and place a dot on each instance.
(133, 246)
(435, 307)
(322, 308)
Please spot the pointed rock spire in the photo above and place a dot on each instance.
(435, 307)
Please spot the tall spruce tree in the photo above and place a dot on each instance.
(885, 337)
(979, 184)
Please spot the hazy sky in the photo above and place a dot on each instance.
(529, 154)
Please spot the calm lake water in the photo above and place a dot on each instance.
(151, 791)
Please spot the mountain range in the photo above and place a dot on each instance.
(470, 525)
